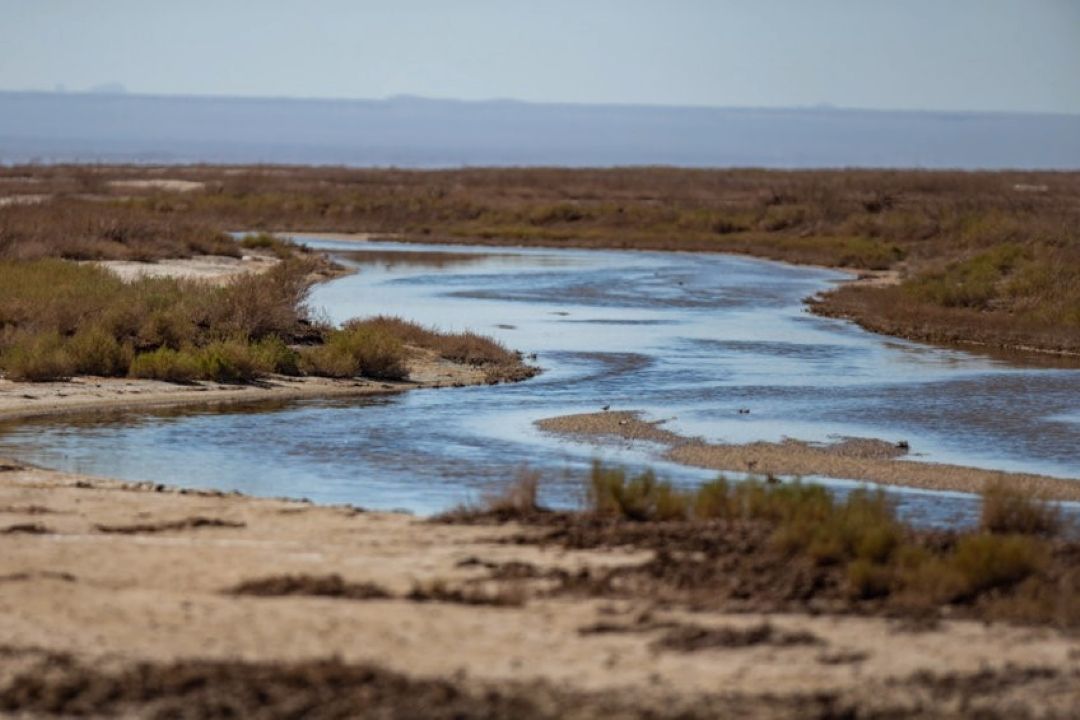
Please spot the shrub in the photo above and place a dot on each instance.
(273, 355)
(95, 351)
(229, 361)
(377, 352)
(519, 498)
(166, 364)
(988, 562)
(257, 306)
(466, 347)
(329, 360)
(1008, 510)
(266, 241)
(641, 497)
(37, 358)
(714, 500)
(58, 318)
(860, 528)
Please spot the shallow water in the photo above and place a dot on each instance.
(690, 338)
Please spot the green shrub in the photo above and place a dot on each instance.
(273, 355)
(467, 347)
(37, 358)
(266, 241)
(229, 361)
(375, 352)
(713, 500)
(860, 528)
(641, 497)
(166, 364)
(95, 351)
(1008, 510)
(330, 360)
(988, 562)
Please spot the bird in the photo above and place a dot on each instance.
(903, 445)
(744, 411)
(606, 408)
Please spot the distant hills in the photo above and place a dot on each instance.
(418, 132)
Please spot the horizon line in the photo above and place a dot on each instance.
(821, 107)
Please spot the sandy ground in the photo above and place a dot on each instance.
(863, 459)
(169, 184)
(116, 574)
(23, 199)
(218, 269)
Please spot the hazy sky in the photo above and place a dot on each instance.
(905, 54)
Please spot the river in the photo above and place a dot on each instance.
(690, 338)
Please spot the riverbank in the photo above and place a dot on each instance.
(140, 599)
(871, 460)
(20, 400)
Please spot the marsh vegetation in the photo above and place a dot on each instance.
(774, 546)
(60, 319)
(983, 257)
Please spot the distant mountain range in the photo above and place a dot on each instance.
(418, 132)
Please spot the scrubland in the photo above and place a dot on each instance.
(766, 544)
(984, 257)
(62, 316)
(59, 319)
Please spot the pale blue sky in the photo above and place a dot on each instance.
(906, 54)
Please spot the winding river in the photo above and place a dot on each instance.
(690, 338)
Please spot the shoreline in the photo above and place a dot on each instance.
(81, 395)
(862, 459)
(101, 579)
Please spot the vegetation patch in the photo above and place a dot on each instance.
(765, 546)
(60, 319)
(981, 259)
(693, 638)
(333, 586)
(191, 523)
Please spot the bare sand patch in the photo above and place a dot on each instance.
(218, 269)
(169, 184)
(116, 602)
(23, 200)
(850, 459)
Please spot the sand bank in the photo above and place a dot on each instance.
(861, 459)
(217, 269)
(94, 394)
(98, 577)
(167, 184)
